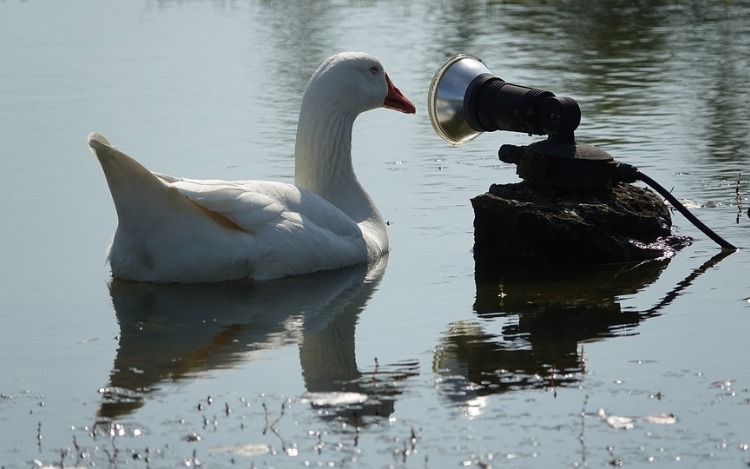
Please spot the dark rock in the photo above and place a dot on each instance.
(521, 222)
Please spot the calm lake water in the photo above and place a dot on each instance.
(417, 363)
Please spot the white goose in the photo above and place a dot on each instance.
(181, 230)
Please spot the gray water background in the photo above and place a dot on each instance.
(452, 370)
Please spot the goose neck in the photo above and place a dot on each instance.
(323, 161)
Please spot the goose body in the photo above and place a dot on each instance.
(173, 229)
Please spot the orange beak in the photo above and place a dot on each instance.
(396, 100)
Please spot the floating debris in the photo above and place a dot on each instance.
(627, 423)
(724, 384)
(332, 399)
(242, 450)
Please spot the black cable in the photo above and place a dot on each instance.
(725, 245)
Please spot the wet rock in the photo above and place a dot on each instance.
(523, 222)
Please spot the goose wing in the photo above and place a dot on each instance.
(250, 204)
(296, 230)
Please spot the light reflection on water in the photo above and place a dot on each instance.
(455, 364)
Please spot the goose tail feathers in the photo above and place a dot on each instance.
(138, 194)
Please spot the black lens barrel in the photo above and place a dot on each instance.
(493, 104)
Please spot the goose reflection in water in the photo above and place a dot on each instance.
(169, 332)
(545, 314)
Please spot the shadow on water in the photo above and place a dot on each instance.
(173, 332)
(550, 312)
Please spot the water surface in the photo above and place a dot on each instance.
(418, 361)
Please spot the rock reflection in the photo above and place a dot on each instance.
(544, 314)
(169, 332)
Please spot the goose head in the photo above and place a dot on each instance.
(355, 82)
(343, 86)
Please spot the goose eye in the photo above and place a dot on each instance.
(374, 70)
